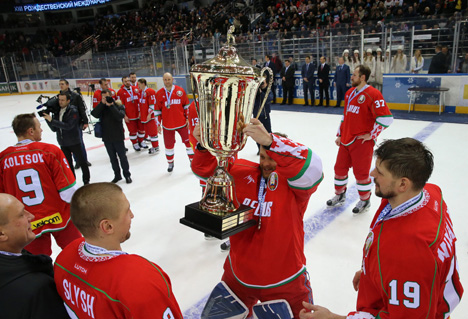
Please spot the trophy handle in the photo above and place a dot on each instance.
(265, 69)
(193, 82)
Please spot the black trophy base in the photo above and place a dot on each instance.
(217, 226)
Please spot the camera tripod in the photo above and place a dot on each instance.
(87, 110)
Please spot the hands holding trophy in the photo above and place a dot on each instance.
(226, 86)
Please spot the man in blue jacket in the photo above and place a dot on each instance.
(342, 81)
(307, 73)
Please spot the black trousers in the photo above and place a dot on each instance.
(114, 149)
(78, 153)
(323, 87)
(266, 121)
(309, 88)
(340, 93)
(273, 89)
(288, 94)
(83, 148)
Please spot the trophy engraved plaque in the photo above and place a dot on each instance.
(226, 86)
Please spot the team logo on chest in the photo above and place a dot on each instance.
(361, 99)
(273, 181)
(179, 93)
(369, 241)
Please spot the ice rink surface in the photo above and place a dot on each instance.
(334, 237)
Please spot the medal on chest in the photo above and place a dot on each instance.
(367, 246)
(272, 185)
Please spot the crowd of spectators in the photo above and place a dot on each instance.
(159, 24)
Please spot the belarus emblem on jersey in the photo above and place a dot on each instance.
(179, 93)
(273, 181)
(361, 99)
(369, 240)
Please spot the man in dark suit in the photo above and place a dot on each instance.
(287, 75)
(438, 62)
(255, 63)
(342, 81)
(323, 72)
(307, 73)
(271, 65)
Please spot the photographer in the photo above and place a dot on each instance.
(111, 114)
(77, 101)
(65, 122)
(97, 94)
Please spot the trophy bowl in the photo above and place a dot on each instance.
(226, 86)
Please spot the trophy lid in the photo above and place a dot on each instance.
(227, 61)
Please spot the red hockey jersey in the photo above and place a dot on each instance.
(147, 104)
(124, 286)
(192, 121)
(39, 176)
(364, 112)
(97, 97)
(173, 112)
(274, 254)
(129, 99)
(409, 267)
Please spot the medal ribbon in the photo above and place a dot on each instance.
(96, 250)
(261, 200)
(130, 91)
(388, 212)
(354, 94)
(168, 97)
(24, 142)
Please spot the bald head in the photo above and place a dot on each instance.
(15, 225)
(7, 202)
(168, 80)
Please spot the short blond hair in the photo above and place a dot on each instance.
(91, 204)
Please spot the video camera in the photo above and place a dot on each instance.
(77, 90)
(50, 106)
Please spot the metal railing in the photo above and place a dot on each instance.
(155, 61)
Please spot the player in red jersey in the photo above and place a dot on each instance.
(192, 117)
(129, 96)
(110, 283)
(365, 116)
(39, 176)
(267, 262)
(192, 123)
(171, 107)
(147, 114)
(409, 265)
(104, 84)
(133, 79)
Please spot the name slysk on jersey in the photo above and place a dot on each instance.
(274, 254)
(409, 267)
(97, 97)
(39, 176)
(125, 286)
(365, 112)
(129, 98)
(171, 106)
